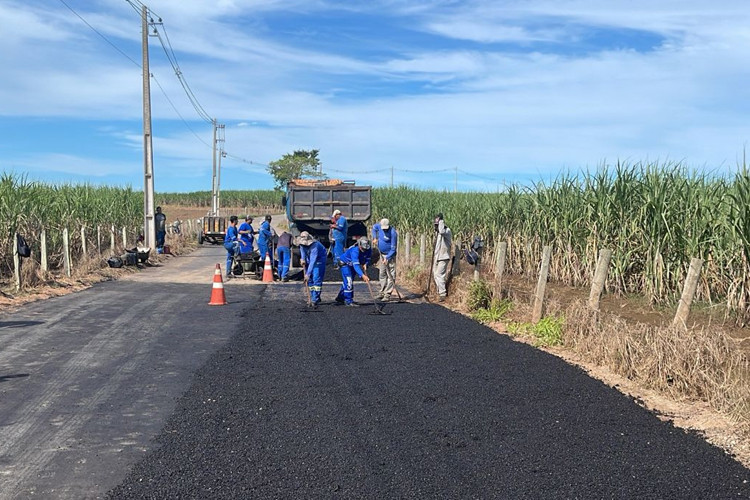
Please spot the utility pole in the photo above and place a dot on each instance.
(216, 176)
(149, 227)
(221, 154)
(214, 182)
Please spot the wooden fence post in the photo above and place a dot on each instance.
(422, 249)
(83, 240)
(456, 268)
(66, 252)
(688, 292)
(99, 239)
(112, 238)
(43, 250)
(502, 250)
(541, 285)
(16, 263)
(124, 238)
(407, 249)
(600, 278)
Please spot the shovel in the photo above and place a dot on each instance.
(310, 306)
(388, 272)
(378, 307)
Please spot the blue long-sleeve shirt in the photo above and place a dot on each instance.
(231, 235)
(264, 233)
(356, 258)
(387, 240)
(340, 228)
(312, 255)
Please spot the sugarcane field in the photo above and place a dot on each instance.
(374, 250)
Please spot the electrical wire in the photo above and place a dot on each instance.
(137, 6)
(178, 112)
(98, 33)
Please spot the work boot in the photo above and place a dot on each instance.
(340, 300)
(385, 298)
(285, 279)
(441, 298)
(352, 304)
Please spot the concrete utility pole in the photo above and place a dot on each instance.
(149, 226)
(221, 154)
(214, 183)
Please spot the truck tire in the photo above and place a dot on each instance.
(296, 258)
(200, 237)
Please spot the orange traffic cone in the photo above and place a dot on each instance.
(217, 292)
(267, 270)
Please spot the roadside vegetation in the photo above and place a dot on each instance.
(258, 200)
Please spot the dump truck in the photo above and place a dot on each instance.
(310, 203)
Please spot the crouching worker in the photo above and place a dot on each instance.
(313, 260)
(355, 259)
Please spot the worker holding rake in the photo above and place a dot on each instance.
(385, 237)
(353, 261)
(313, 260)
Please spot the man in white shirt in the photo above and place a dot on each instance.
(442, 255)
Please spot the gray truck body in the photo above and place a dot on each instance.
(310, 204)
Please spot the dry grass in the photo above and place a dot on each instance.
(699, 364)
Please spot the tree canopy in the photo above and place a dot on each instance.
(299, 164)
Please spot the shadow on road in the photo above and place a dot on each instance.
(19, 324)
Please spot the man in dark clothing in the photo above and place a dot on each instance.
(284, 254)
(160, 221)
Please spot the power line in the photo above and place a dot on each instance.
(178, 113)
(243, 160)
(137, 6)
(172, 58)
(98, 33)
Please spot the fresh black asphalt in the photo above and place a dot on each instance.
(421, 403)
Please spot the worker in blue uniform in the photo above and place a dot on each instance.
(385, 236)
(353, 261)
(231, 244)
(246, 235)
(265, 238)
(339, 228)
(313, 260)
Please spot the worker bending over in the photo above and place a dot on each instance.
(354, 260)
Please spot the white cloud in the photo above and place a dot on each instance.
(482, 104)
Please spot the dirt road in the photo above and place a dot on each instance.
(141, 388)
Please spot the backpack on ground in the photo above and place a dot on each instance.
(23, 248)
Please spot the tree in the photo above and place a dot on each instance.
(295, 166)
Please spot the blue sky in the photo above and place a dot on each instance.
(503, 91)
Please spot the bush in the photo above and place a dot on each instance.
(480, 295)
(548, 332)
(496, 311)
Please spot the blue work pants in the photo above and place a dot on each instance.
(347, 287)
(233, 248)
(315, 283)
(285, 255)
